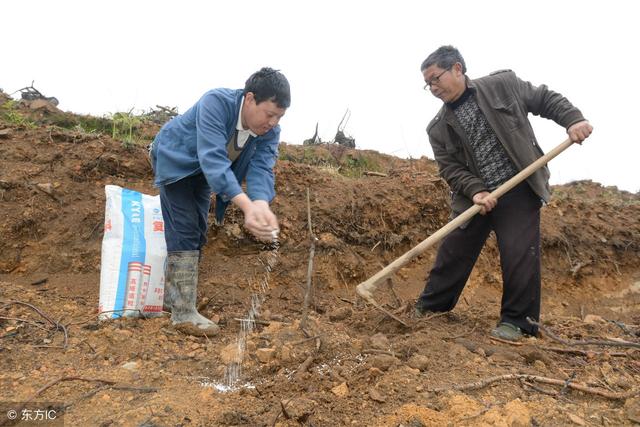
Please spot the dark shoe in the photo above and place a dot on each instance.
(507, 331)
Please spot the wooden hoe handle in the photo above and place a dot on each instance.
(366, 288)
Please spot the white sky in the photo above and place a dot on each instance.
(99, 57)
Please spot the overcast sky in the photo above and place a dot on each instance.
(100, 57)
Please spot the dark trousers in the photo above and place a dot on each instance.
(516, 223)
(185, 209)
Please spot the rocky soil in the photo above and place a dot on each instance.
(351, 364)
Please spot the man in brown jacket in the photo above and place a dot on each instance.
(481, 137)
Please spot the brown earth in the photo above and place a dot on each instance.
(362, 368)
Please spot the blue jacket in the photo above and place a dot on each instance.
(196, 142)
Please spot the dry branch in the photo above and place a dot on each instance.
(464, 334)
(312, 251)
(372, 173)
(513, 343)
(388, 313)
(28, 322)
(304, 366)
(434, 315)
(106, 384)
(58, 326)
(585, 342)
(576, 386)
(586, 353)
(256, 321)
(112, 384)
(538, 389)
(398, 301)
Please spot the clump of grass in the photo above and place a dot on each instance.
(355, 164)
(123, 128)
(335, 158)
(308, 154)
(10, 114)
(86, 124)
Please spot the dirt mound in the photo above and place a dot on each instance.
(352, 365)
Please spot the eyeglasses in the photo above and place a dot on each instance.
(434, 80)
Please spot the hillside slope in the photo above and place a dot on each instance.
(360, 367)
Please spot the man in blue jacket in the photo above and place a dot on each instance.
(481, 137)
(226, 137)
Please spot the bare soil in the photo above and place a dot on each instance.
(352, 365)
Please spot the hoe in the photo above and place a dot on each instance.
(368, 287)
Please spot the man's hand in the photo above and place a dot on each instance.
(258, 218)
(261, 222)
(580, 131)
(485, 201)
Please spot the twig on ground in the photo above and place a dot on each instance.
(434, 315)
(567, 383)
(573, 385)
(586, 353)
(58, 326)
(10, 334)
(29, 322)
(465, 333)
(585, 342)
(513, 343)
(344, 282)
(93, 230)
(86, 396)
(256, 321)
(603, 383)
(34, 308)
(89, 345)
(538, 389)
(403, 308)
(280, 412)
(107, 383)
(39, 282)
(372, 173)
(346, 300)
(388, 313)
(304, 366)
(622, 326)
(132, 388)
(396, 298)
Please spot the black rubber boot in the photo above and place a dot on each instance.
(181, 284)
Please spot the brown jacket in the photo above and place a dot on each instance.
(505, 101)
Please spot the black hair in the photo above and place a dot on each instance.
(444, 57)
(268, 84)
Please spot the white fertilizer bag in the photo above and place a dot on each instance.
(133, 255)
